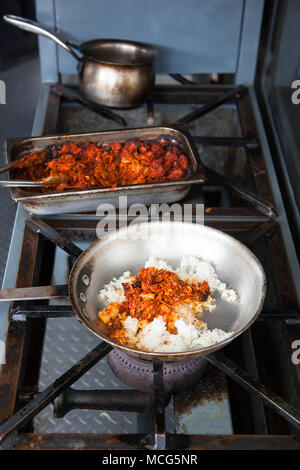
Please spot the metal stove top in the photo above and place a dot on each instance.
(45, 341)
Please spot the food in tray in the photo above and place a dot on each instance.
(94, 165)
(158, 309)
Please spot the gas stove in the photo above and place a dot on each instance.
(61, 389)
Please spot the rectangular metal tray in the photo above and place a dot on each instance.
(87, 200)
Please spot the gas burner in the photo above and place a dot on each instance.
(138, 373)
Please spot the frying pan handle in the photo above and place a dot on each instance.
(37, 28)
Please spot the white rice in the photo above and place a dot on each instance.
(155, 337)
(190, 334)
(113, 291)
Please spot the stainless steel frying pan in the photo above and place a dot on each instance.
(129, 248)
(112, 72)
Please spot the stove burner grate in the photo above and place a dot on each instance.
(29, 318)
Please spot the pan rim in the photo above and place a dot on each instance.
(178, 355)
(141, 45)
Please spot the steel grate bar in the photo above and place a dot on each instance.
(182, 79)
(73, 95)
(287, 411)
(47, 396)
(157, 441)
(174, 442)
(160, 404)
(39, 226)
(266, 230)
(227, 141)
(21, 312)
(212, 104)
(261, 204)
(34, 293)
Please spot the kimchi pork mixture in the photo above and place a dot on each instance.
(159, 309)
(93, 165)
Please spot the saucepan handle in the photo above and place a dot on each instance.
(37, 28)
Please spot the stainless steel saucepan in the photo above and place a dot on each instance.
(129, 248)
(112, 72)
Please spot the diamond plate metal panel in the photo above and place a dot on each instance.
(65, 343)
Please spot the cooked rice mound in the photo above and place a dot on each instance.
(158, 308)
